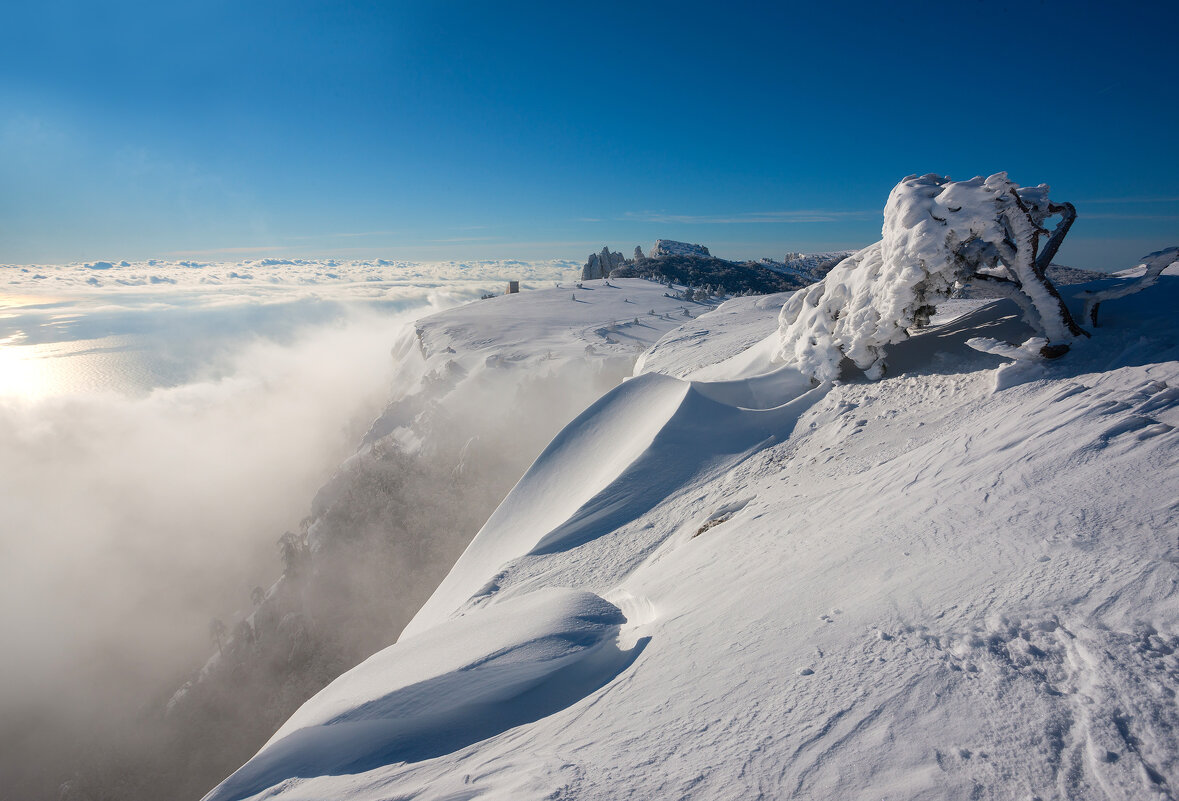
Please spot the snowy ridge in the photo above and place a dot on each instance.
(961, 591)
(583, 460)
(735, 327)
(477, 393)
(612, 465)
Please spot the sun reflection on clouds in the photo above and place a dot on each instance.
(108, 364)
(123, 327)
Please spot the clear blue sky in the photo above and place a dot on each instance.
(435, 130)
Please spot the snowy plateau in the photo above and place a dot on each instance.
(726, 580)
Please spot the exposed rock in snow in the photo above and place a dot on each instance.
(639, 253)
(599, 265)
(593, 268)
(721, 275)
(669, 247)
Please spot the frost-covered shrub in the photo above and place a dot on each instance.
(937, 234)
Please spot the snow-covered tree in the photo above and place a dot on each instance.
(293, 550)
(243, 634)
(937, 234)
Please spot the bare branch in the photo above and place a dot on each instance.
(1068, 214)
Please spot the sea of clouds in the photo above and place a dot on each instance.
(161, 425)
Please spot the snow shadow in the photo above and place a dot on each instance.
(704, 431)
(512, 669)
(937, 348)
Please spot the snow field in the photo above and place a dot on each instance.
(935, 585)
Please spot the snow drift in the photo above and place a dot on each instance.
(464, 681)
(926, 586)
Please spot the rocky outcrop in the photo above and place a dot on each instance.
(669, 247)
(600, 264)
(639, 253)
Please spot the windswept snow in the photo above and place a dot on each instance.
(464, 681)
(604, 318)
(735, 326)
(929, 586)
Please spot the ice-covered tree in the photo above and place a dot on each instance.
(937, 234)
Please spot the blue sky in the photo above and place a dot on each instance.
(436, 130)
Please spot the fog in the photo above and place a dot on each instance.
(156, 440)
(126, 524)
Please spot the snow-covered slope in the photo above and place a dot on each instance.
(921, 587)
(478, 392)
(736, 326)
(622, 317)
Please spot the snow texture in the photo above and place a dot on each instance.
(464, 681)
(912, 588)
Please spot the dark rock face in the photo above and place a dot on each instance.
(694, 267)
(727, 277)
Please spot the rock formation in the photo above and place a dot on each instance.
(669, 247)
(600, 264)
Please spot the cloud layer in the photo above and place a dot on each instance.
(160, 427)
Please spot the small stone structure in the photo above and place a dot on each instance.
(513, 287)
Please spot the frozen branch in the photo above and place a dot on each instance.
(1155, 263)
